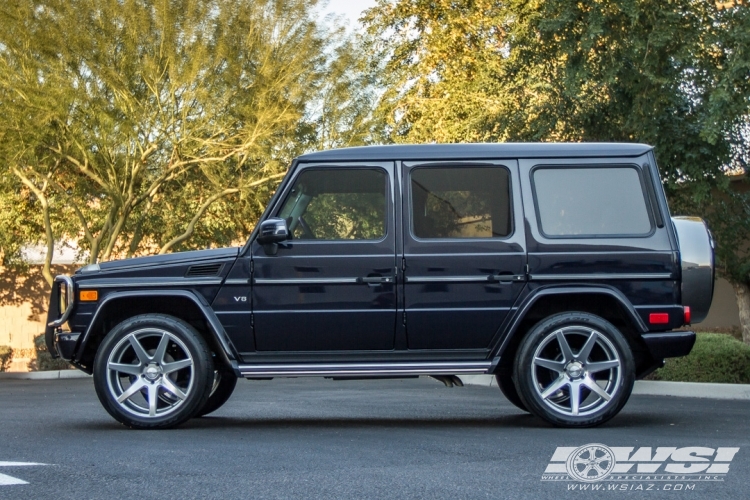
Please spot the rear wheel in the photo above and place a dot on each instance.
(153, 371)
(574, 370)
(508, 388)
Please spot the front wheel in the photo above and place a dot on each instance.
(223, 386)
(153, 371)
(574, 370)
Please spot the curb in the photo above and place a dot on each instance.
(46, 375)
(655, 388)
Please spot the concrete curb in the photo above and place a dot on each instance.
(656, 388)
(46, 375)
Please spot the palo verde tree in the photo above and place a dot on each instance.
(143, 126)
(672, 74)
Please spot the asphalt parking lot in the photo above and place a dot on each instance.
(316, 438)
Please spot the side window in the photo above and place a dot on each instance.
(586, 201)
(337, 204)
(460, 202)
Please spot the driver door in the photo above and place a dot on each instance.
(332, 286)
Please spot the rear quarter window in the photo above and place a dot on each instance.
(590, 201)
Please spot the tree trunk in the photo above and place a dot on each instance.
(742, 292)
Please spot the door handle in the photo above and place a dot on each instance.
(506, 278)
(375, 280)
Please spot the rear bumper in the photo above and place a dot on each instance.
(669, 344)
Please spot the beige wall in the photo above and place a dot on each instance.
(23, 311)
(724, 312)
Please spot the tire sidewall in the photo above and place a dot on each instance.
(523, 369)
(203, 370)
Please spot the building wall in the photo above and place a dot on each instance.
(23, 310)
(724, 313)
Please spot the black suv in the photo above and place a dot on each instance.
(555, 267)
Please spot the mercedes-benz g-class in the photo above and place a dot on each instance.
(555, 267)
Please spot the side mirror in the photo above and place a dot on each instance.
(272, 232)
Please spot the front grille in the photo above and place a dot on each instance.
(204, 270)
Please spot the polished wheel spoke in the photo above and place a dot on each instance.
(575, 397)
(139, 351)
(126, 368)
(161, 349)
(561, 381)
(591, 384)
(602, 365)
(153, 392)
(556, 366)
(585, 351)
(167, 384)
(130, 391)
(176, 365)
(564, 347)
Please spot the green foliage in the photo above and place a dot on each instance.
(672, 74)
(715, 358)
(6, 356)
(44, 360)
(143, 126)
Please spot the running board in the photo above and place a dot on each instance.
(328, 369)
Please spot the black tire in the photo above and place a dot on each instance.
(574, 370)
(222, 389)
(508, 388)
(158, 367)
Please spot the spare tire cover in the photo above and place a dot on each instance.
(697, 262)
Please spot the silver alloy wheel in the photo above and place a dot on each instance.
(576, 383)
(150, 373)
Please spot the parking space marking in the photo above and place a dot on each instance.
(6, 480)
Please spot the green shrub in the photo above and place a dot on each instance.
(44, 360)
(715, 358)
(6, 356)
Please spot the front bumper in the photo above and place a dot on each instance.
(64, 344)
(669, 344)
(56, 316)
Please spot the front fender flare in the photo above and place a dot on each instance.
(228, 353)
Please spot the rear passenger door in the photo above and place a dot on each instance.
(463, 252)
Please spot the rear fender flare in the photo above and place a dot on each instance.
(529, 302)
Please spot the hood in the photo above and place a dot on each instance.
(161, 260)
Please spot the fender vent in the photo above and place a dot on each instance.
(204, 270)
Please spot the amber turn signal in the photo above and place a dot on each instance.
(89, 295)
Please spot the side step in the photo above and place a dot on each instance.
(363, 369)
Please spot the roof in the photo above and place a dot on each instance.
(479, 151)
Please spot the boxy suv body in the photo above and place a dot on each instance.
(555, 267)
